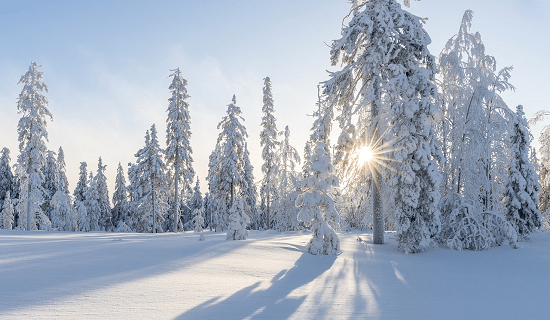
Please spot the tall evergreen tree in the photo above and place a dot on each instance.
(178, 132)
(7, 179)
(51, 182)
(150, 175)
(386, 83)
(120, 212)
(82, 184)
(62, 171)
(195, 203)
(32, 105)
(91, 202)
(523, 186)
(105, 221)
(268, 140)
(6, 215)
(286, 182)
(249, 194)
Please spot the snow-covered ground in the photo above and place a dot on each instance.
(47, 275)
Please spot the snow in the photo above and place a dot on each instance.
(101, 275)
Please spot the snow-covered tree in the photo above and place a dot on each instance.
(249, 194)
(523, 186)
(316, 205)
(32, 105)
(105, 221)
(51, 182)
(81, 185)
(226, 173)
(386, 85)
(195, 203)
(62, 171)
(543, 166)
(198, 219)
(178, 132)
(91, 201)
(7, 212)
(120, 198)
(63, 215)
(238, 220)
(150, 186)
(286, 185)
(7, 179)
(474, 120)
(268, 140)
(82, 216)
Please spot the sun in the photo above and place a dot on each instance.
(365, 154)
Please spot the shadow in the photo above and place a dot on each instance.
(270, 303)
(38, 268)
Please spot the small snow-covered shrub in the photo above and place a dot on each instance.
(198, 219)
(238, 220)
(123, 227)
(464, 228)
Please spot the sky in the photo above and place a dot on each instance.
(107, 65)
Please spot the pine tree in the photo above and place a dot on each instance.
(120, 212)
(105, 222)
(195, 203)
(51, 182)
(62, 172)
(91, 201)
(523, 186)
(316, 205)
(386, 83)
(268, 140)
(7, 179)
(82, 216)
(150, 185)
(226, 175)
(238, 220)
(32, 147)
(7, 212)
(178, 132)
(249, 194)
(63, 215)
(81, 185)
(286, 183)
(198, 219)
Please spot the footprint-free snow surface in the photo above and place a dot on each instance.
(62, 275)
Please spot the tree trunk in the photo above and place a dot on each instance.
(378, 216)
(176, 200)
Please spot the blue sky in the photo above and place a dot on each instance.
(107, 65)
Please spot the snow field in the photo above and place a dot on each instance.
(98, 275)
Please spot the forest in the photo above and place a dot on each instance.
(425, 146)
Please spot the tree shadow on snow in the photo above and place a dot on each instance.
(270, 303)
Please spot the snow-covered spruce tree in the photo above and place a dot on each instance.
(249, 193)
(105, 220)
(7, 179)
(82, 216)
(238, 220)
(285, 214)
(198, 219)
(62, 171)
(82, 184)
(7, 213)
(268, 140)
(543, 167)
(523, 186)
(119, 213)
(91, 201)
(32, 105)
(386, 83)
(195, 203)
(152, 186)
(316, 205)
(178, 132)
(51, 182)
(226, 173)
(63, 215)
